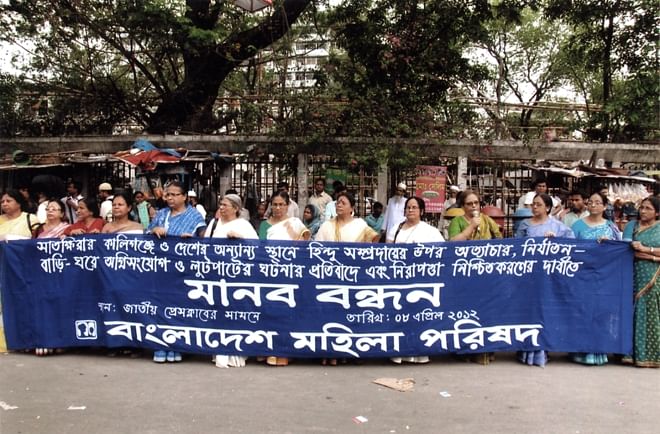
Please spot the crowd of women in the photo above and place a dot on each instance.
(180, 219)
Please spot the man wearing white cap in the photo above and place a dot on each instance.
(105, 197)
(451, 200)
(394, 214)
(192, 198)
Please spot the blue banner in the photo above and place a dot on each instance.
(315, 299)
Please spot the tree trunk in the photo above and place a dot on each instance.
(607, 74)
(189, 107)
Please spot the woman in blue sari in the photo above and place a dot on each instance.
(541, 224)
(178, 219)
(594, 227)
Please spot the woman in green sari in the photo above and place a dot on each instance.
(645, 234)
(472, 225)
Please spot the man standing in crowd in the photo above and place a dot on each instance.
(609, 208)
(192, 198)
(375, 219)
(539, 186)
(451, 200)
(330, 208)
(319, 197)
(577, 200)
(105, 198)
(71, 200)
(394, 212)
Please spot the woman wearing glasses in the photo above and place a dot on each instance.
(279, 226)
(541, 224)
(472, 225)
(55, 221)
(594, 227)
(229, 224)
(178, 219)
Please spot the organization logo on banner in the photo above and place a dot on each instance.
(86, 329)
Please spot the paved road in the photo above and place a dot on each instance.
(124, 395)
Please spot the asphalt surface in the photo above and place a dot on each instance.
(93, 393)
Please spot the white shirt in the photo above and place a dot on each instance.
(394, 213)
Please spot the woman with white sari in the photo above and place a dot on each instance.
(230, 225)
(279, 226)
(345, 228)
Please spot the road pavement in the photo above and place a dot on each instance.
(93, 393)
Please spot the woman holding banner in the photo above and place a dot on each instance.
(15, 223)
(178, 219)
(472, 225)
(594, 227)
(122, 206)
(344, 227)
(279, 226)
(229, 224)
(347, 229)
(541, 224)
(55, 221)
(88, 221)
(645, 234)
(414, 230)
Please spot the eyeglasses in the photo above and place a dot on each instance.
(53, 209)
(173, 194)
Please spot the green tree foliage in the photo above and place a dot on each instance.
(527, 62)
(613, 44)
(159, 63)
(391, 76)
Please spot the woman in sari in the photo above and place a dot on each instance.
(15, 223)
(178, 219)
(594, 227)
(279, 226)
(472, 225)
(229, 224)
(121, 210)
(312, 219)
(645, 234)
(541, 224)
(88, 221)
(55, 225)
(414, 230)
(345, 228)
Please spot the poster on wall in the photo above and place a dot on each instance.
(431, 184)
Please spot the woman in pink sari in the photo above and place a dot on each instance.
(55, 224)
